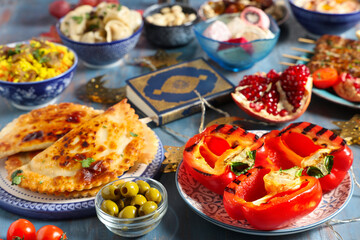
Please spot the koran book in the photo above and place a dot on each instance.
(170, 93)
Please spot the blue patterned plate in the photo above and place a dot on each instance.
(326, 94)
(334, 98)
(210, 206)
(35, 205)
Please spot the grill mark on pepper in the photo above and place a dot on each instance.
(218, 128)
(190, 148)
(205, 174)
(343, 143)
(308, 128)
(231, 130)
(230, 190)
(332, 137)
(247, 174)
(321, 132)
(236, 181)
(293, 125)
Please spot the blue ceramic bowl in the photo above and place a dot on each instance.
(104, 54)
(32, 95)
(169, 37)
(324, 23)
(235, 56)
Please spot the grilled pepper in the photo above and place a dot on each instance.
(318, 150)
(217, 155)
(270, 199)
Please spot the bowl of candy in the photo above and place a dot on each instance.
(326, 17)
(237, 41)
(131, 206)
(34, 73)
(169, 25)
(102, 35)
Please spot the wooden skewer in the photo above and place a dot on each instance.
(305, 40)
(287, 64)
(302, 50)
(296, 57)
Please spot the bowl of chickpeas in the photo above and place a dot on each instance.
(169, 25)
(131, 206)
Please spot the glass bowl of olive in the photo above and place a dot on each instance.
(131, 206)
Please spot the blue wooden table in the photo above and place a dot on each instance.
(21, 20)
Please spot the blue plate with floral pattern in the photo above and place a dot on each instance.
(41, 206)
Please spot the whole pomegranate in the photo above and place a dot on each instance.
(348, 87)
(275, 97)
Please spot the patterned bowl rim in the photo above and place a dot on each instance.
(72, 68)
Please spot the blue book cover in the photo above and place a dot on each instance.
(170, 93)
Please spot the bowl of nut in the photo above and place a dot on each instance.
(169, 25)
(131, 206)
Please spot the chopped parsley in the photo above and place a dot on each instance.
(133, 134)
(77, 19)
(251, 154)
(93, 27)
(104, 126)
(39, 55)
(86, 162)
(15, 178)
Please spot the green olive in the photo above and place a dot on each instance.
(147, 208)
(153, 195)
(110, 192)
(129, 189)
(138, 200)
(110, 207)
(143, 186)
(120, 204)
(127, 201)
(119, 183)
(128, 212)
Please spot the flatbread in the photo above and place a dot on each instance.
(40, 128)
(17, 160)
(110, 143)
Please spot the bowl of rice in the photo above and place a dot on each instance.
(34, 73)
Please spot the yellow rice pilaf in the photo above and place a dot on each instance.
(33, 61)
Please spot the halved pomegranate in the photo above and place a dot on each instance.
(348, 87)
(275, 97)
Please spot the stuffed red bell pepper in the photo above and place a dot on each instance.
(218, 154)
(270, 199)
(318, 150)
